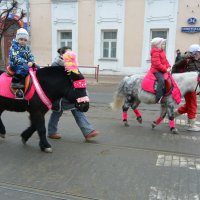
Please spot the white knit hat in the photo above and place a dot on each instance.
(22, 33)
(194, 48)
(157, 41)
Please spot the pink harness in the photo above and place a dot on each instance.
(39, 90)
(81, 84)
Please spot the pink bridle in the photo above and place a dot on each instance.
(81, 84)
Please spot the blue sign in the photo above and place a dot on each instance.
(190, 29)
(192, 20)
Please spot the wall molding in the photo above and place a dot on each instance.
(69, 21)
(160, 18)
(63, 1)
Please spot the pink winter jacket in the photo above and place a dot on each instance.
(159, 61)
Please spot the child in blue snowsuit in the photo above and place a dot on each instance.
(21, 59)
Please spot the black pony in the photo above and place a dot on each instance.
(56, 83)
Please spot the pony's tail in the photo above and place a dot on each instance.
(118, 98)
(117, 102)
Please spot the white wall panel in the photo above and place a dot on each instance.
(159, 14)
(64, 17)
(109, 15)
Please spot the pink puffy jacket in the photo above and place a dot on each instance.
(159, 61)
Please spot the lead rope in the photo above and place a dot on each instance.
(196, 89)
(197, 78)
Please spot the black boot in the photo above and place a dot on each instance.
(19, 94)
(17, 82)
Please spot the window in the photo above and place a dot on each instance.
(109, 44)
(159, 33)
(65, 38)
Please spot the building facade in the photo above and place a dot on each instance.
(115, 34)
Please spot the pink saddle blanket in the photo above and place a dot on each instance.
(148, 83)
(5, 81)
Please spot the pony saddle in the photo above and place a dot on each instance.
(19, 85)
(150, 84)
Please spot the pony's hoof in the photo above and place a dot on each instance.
(45, 147)
(139, 119)
(2, 135)
(48, 150)
(174, 131)
(23, 140)
(153, 125)
(126, 124)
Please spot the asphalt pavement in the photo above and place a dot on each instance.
(122, 163)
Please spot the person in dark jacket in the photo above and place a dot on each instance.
(190, 62)
(85, 126)
(178, 56)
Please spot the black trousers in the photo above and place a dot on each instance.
(161, 85)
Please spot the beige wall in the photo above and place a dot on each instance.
(41, 30)
(134, 27)
(184, 40)
(86, 32)
(40, 16)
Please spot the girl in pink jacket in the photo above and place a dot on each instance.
(159, 65)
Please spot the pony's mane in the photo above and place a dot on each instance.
(51, 71)
(56, 70)
(51, 68)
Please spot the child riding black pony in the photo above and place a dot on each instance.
(56, 83)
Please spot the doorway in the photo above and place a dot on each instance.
(8, 36)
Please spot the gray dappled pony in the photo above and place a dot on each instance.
(129, 90)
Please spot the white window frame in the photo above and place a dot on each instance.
(158, 35)
(66, 41)
(109, 47)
